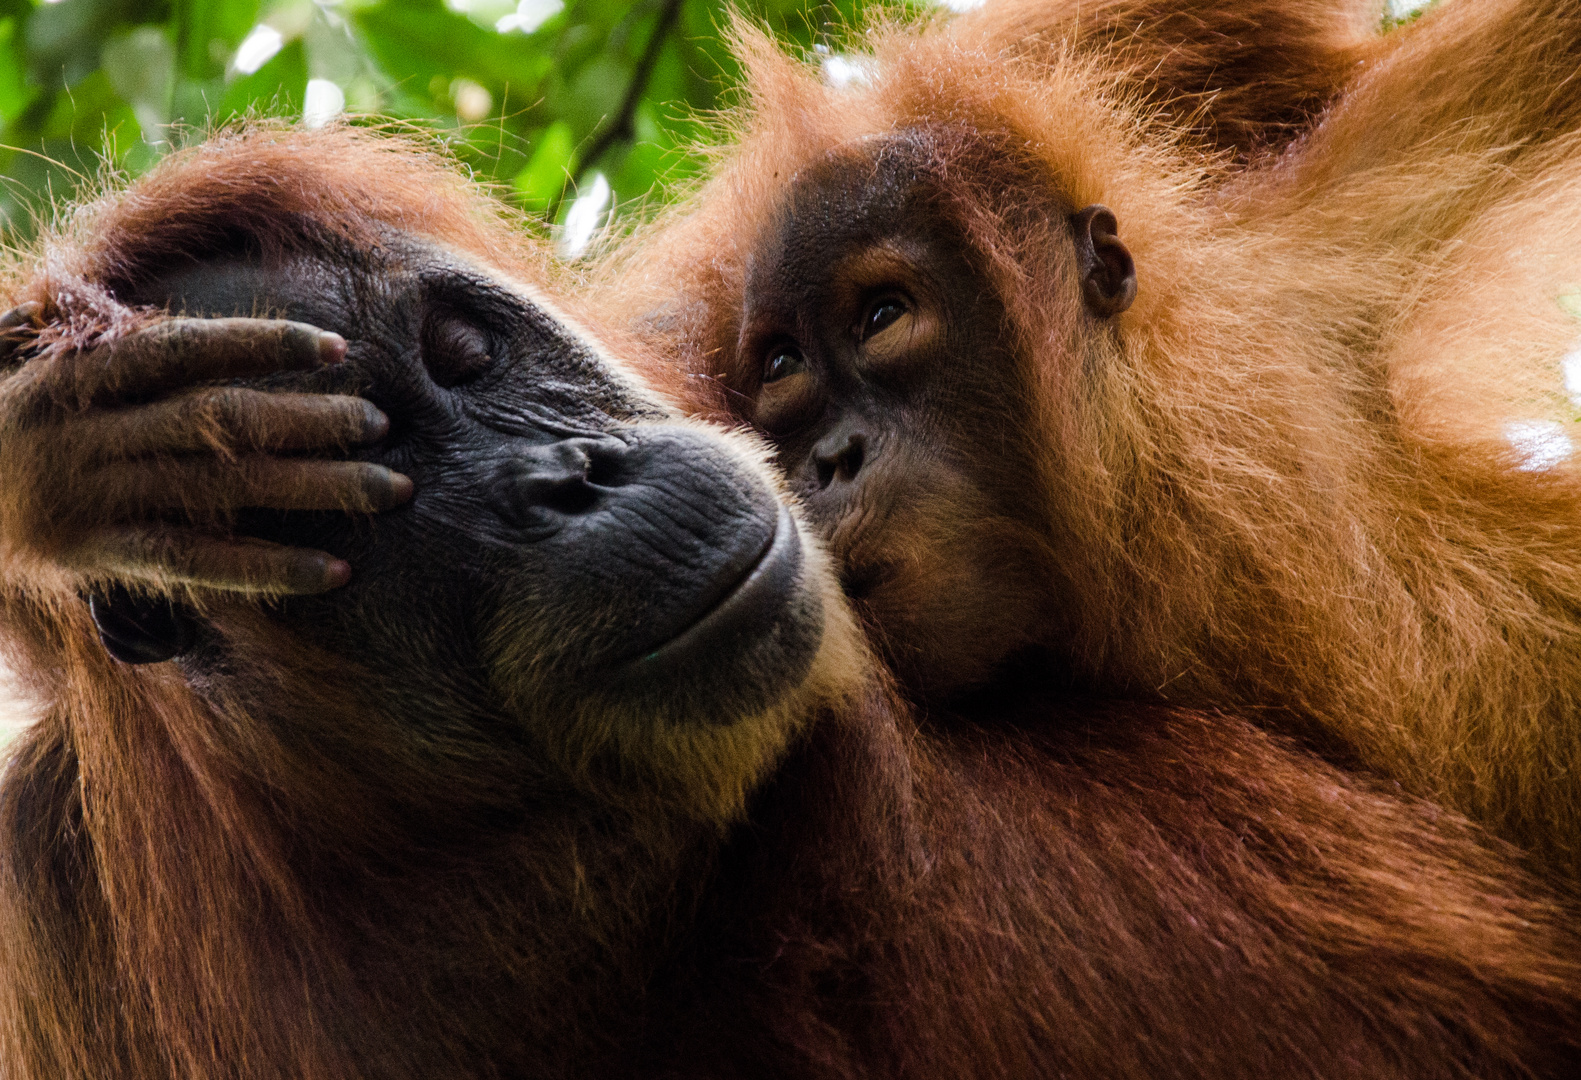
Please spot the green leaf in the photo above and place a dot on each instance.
(276, 88)
(595, 93)
(208, 32)
(164, 63)
(141, 67)
(416, 40)
(540, 184)
(86, 111)
(14, 94)
(63, 39)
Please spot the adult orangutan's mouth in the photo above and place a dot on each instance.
(750, 603)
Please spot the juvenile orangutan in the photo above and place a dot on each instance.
(1298, 445)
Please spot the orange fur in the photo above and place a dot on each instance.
(1244, 76)
(1281, 480)
(266, 869)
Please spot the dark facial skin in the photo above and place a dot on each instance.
(876, 356)
(564, 547)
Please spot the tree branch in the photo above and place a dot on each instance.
(622, 128)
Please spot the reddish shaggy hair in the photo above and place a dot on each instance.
(200, 883)
(1280, 482)
(1244, 77)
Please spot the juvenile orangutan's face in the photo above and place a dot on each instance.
(874, 357)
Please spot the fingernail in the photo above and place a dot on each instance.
(375, 425)
(314, 572)
(331, 347)
(385, 488)
(29, 314)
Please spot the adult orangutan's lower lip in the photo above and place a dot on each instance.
(753, 603)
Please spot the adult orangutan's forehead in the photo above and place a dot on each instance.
(381, 299)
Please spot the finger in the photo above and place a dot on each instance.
(209, 488)
(179, 352)
(231, 419)
(172, 556)
(29, 315)
(18, 327)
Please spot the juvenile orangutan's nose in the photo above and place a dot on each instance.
(839, 455)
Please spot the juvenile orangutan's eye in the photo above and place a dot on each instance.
(783, 362)
(455, 350)
(882, 314)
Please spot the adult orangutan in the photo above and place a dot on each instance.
(1319, 471)
(566, 763)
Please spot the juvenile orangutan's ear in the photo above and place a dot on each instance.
(141, 629)
(1108, 276)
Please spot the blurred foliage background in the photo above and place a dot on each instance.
(551, 99)
(569, 106)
